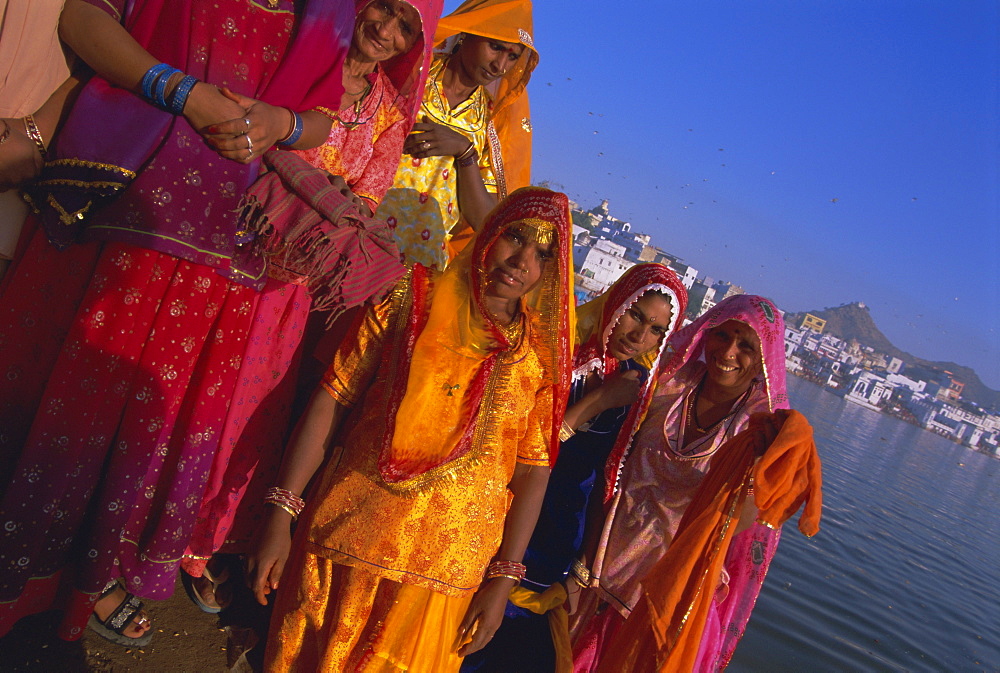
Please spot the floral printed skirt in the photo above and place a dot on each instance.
(118, 365)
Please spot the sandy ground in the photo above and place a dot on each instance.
(185, 639)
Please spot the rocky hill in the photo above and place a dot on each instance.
(853, 321)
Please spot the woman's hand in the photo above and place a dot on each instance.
(20, 160)
(484, 615)
(341, 185)
(573, 593)
(206, 105)
(434, 140)
(270, 552)
(620, 389)
(254, 129)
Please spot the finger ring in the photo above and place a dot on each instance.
(247, 120)
(250, 144)
(424, 145)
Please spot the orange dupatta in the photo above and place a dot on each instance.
(664, 631)
(507, 21)
(452, 345)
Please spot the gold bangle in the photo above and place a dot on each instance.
(580, 572)
(467, 152)
(510, 577)
(285, 507)
(32, 129)
(565, 432)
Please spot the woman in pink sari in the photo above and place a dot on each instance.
(722, 368)
(386, 66)
(124, 323)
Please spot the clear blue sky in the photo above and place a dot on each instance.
(815, 151)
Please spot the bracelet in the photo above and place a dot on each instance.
(149, 79)
(580, 573)
(509, 569)
(466, 152)
(468, 157)
(565, 432)
(510, 577)
(181, 93)
(285, 499)
(471, 160)
(35, 134)
(160, 91)
(6, 132)
(296, 132)
(284, 507)
(578, 582)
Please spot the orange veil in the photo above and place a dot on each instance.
(507, 21)
(451, 340)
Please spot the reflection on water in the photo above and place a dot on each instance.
(904, 574)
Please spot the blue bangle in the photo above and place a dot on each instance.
(296, 133)
(150, 78)
(181, 94)
(159, 94)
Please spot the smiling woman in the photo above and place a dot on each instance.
(723, 367)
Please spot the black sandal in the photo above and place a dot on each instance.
(120, 618)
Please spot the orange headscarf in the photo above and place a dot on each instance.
(451, 337)
(507, 21)
(664, 631)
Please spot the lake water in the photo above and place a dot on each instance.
(904, 574)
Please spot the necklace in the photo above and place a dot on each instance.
(693, 407)
(364, 90)
(511, 332)
(356, 106)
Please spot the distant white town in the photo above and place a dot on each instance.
(604, 247)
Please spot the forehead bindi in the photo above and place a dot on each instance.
(514, 49)
(654, 309)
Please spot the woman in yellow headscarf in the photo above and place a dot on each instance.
(446, 400)
(473, 141)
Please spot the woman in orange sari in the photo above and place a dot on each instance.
(441, 413)
(722, 368)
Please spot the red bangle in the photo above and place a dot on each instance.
(285, 499)
(510, 569)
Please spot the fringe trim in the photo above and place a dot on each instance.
(305, 255)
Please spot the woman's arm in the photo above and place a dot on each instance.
(105, 45)
(618, 390)
(431, 140)
(485, 613)
(20, 157)
(593, 523)
(354, 365)
(304, 455)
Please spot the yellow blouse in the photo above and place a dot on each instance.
(422, 204)
(441, 535)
